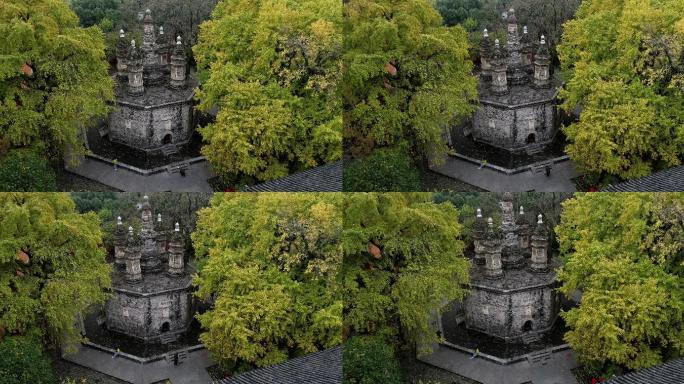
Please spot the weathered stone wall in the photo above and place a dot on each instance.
(144, 317)
(127, 314)
(511, 128)
(504, 314)
(146, 128)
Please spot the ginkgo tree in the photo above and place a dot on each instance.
(403, 261)
(52, 266)
(269, 263)
(53, 76)
(625, 254)
(271, 69)
(623, 62)
(407, 77)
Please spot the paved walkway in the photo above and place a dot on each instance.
(491, 180)
(555, 371)
(191, 371)
(195, 179)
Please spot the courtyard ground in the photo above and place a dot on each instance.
(561, 178)
(557, 370)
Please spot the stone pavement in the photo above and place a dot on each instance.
(555, 371)
(491, 180)
(191, 371)
(195, 179)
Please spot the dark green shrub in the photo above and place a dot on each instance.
(25, 170)
(23, 362)
(370, 360)
(384, 170)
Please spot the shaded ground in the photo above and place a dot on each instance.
(103, 147)
(496, 156)
(114, 340)
(66, 369)
(415, 371)
(71, 182)
(460, 335)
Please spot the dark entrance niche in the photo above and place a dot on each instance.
(165, 327)
(531, 139)
(527, 326)
(167, 139)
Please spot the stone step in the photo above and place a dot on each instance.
(178, 167)
(541, 167)
(540, 357)
(169, 150)
(167, 338)
(535, 149)
(171, 358)
(531, 337)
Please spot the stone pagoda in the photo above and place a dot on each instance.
(154, 93)
(151, 285)
(512, 291)
(518, 94)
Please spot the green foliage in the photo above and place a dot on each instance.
(52, 266)
(402, 261)
(458, 11)
(384, 170)
(271, 262)
(624, 67)
(23, 170)
(369, 360)
(271, 68)
(625, 253)
(93, 12)
(53, 76)
(407, 77)
(23, 361)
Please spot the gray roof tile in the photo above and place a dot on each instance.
(326, 178)
(671, 180)
(671, 372)
(324, 367)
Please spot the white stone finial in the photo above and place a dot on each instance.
(543, 40)
(118, 220)
(496, 43)
(133, 43)
(490, 222)
(159, 217)
(179, 41)
(130, 229)
(177, 228)
(161, 30)
(539, 219)
(522, 211)
(486, 33)
(146, 197)
(479, 213)
(121, 33)
(147, 11)
(525, 29)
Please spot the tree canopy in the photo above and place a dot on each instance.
(52, 266)
(403, 260)
(93, 12)
(53, 75)
(623, 62)
(625, 254)
(270, 264)
(407, 76)
(272, 70)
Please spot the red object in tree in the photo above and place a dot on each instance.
(229, 190)
(23, 257)
(593, 189)
(391, 69)
(28, 71)
(374, 250)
